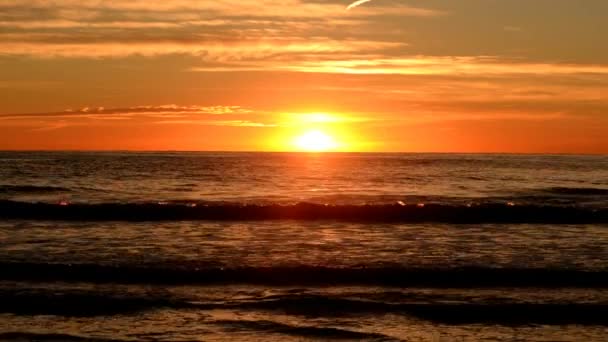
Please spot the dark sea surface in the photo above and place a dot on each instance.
(286, 246)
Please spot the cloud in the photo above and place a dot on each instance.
(89, 9)
(213, 50)
(230, 29)
(446, 65)
(447, 117)
(228, 123)
(102, 113)
(164, 114)
(356, 4)
(229, 116)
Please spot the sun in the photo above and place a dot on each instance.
(315, 141)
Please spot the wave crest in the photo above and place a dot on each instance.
(399, 212)
(305, 275)
(31, 189)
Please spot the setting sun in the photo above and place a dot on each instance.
(315, 141)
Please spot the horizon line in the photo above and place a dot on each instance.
(304, 152)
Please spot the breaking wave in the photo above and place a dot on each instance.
(103, 302)
(398, 212)
(305, 275)
(31, 189)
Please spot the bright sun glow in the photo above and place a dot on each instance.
(315, 141)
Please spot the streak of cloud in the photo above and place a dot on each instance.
(102, 113)
(164, 114)
(205, 29)
(356, 4)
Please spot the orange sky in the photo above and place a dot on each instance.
(387, 75)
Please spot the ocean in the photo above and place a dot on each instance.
(185, 246)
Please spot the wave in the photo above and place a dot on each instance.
(31, 189)
(327, 333)
(577, 191)
(95, 303)
(29, 336)
(512, 314)
(83, 303)
(399, 212)
(472, 277)
(447, 313)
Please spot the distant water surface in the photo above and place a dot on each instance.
(341, 178)
(286, 246)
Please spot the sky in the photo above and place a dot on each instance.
(516, 76)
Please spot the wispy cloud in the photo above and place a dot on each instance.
(228, 123)
(480, 66)
(231, 29)
(210, 50)
(171, 110)
(164, 114)
(447, 65)
(232, 116)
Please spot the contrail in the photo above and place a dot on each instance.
(356, 3)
